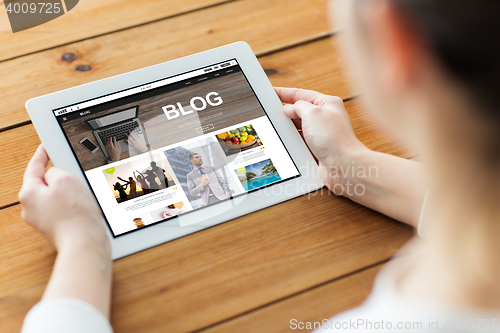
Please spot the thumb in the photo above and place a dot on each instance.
(299, 110)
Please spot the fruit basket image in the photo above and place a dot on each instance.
(239, 138)
(240, 145)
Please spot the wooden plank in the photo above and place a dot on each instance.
(256, 22)
(88, 19)
(310, 306)
(20, 143)
(18, 147)
(316, 66)
(216, 274)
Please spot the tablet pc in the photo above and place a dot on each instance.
(175, 148)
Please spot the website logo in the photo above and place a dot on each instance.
(171, 110)
(26, 14)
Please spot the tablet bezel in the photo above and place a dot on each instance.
(41, 109)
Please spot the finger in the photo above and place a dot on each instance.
(55, 174)
(298, 110)
(289, 111)
(293, 95)
(36, 167)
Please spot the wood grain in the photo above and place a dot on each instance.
(96, 16)
(316, 66)
(315, 305)
(216, 274)
(255, 22)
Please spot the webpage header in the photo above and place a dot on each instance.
(145, 87)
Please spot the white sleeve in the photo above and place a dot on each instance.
(62, 315)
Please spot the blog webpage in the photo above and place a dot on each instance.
(175, 145)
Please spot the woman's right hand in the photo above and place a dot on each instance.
(326, 129)
(58, 205)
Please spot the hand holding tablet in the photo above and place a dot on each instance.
(205, 133)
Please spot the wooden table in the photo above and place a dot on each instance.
(305, 259)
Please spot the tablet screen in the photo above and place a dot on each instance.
(175, 145)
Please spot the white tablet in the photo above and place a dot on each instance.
(178, 147)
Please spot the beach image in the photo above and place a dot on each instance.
(257, 175)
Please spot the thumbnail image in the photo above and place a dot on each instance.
(137, 178)
(257, 175)
(239, 139)
(168, 211)
(202, 172)
(142, 220)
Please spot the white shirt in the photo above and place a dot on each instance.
(64, 315)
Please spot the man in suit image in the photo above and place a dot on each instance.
(207, 181)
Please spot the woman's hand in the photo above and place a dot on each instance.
(114, 149)
(396, 187)
(326, 129)
(137, 142)
(58, 205)
(64, 211)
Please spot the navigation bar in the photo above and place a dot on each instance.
(143, 88)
